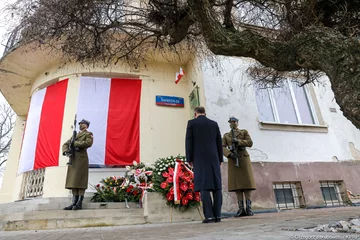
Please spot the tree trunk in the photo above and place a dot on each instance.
(315, 48)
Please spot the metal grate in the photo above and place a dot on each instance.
(34, 182)
(288, 195)
(331, 192)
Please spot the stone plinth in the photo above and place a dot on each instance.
(156, 211)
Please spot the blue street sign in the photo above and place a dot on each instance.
(169, 101)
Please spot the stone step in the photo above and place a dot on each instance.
(58, 204)
(61, 214)
(46, 224)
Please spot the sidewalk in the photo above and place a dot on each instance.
(260, 226)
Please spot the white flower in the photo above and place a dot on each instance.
(169, 158)
(128, 168)
(135, 163)
(159, 173)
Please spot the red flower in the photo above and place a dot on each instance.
(181, 174)
(184, 201)
(183, 186)
(171, 171)
(129, 189)
(98, 185)
(135, 192)
(165, 174)
(189, 196)
(197, 196)
(169, 179)
(163, 185)
(172, 190)
(170, 196)
(102, 187)
(187, 179)
(191, 186)
(181, 195)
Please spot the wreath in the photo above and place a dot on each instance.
(174, 181)
(131, 188)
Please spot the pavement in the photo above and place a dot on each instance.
(275, 225)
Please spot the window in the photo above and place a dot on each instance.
(288, 195)
(289, 104)
(331, 192)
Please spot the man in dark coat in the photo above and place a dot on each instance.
(78, 172)
(204, 153)
(241, 178)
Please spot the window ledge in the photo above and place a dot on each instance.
(293, 127)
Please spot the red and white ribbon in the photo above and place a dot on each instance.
(176, 179)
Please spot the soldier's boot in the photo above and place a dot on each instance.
(75, 200)
(78, 205)
(248, 208)
(241, 212)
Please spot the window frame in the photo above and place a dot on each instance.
(336, 185)
(295, 106)
(295, 194)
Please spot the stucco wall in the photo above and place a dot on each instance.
(162, 129)
(229, 91)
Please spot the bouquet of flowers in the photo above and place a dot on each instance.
(131, 187)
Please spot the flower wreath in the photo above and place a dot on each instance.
(174, 181)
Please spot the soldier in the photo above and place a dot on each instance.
(77, 174)
(240, 179)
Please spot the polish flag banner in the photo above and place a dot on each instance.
(41, 140)
(113, 108)
(179, 75)
(111, 105)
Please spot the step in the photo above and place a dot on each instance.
(85, 213)
(58, 204)
(41, 220)
(47, 224)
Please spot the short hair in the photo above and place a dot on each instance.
(199, 110)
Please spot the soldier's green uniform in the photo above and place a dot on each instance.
(240, 179)
(78, 172)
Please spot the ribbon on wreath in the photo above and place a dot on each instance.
(178, 174)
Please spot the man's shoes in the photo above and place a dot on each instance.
(217, 219)
(241, 212)
(75, 200)
(78, 205)
(248, 208)
(208, 220)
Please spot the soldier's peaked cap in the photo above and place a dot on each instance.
(85, 121)
(233, 119)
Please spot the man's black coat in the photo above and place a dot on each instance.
(204, 149)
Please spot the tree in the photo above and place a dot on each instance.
(304, 36)
(6, 127)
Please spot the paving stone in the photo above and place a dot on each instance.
(260, 226)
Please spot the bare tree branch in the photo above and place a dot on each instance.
(300, 36)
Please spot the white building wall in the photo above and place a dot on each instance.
(229, 91)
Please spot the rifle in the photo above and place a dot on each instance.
(71, 152)
(233, 149)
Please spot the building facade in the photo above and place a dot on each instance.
(305, 151)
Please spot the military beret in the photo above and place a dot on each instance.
(233, 119)
(85, 121)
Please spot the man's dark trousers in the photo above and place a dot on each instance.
(211, 210)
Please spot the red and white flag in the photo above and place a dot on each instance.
(179, 75)
(113, 108)
(41, 141)
(111, 105)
